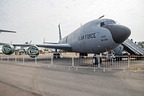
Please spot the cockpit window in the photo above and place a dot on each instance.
(105, 22)
(109, 22)
(102, 24)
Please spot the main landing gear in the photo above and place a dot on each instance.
(97, 60)
(56, 55)
(83, 55)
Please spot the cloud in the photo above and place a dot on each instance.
(38, 19)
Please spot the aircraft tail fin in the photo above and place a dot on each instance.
(7, 31)
(60, 37)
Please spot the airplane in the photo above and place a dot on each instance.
(96, 36)
(7, 31)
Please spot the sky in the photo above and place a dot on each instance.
(36, 20)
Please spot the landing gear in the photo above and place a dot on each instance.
(97, 60)
(83, 55)
(56, 55)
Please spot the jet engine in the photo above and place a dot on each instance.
(33, 51)
(8, 49)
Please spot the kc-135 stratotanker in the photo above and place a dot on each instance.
(95, 37)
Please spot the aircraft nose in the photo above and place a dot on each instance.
(119, 32)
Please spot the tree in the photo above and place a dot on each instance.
(141, 44)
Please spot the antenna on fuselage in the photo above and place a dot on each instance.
(101, 16)
(60, 37)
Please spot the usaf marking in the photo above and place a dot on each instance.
(87, 36)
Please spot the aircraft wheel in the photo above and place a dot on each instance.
(56, 55)
(95, 60)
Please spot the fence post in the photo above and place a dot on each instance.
(128, 61)
(98, 62)
(35, 60)
(72, 61)
(15, 58)
(1, 57)
(51, 60)
(23, 59)
(8, 58)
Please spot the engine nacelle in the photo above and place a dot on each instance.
(8, 49)
(33, 51)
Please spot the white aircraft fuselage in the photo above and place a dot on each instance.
(96, 36)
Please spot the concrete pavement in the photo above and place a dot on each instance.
(41, 80)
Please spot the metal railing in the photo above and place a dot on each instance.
(119, 62)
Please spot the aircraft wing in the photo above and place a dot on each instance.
(56, 46)
(7, 31)
(66, 47)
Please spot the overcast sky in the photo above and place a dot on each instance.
(38, 19)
